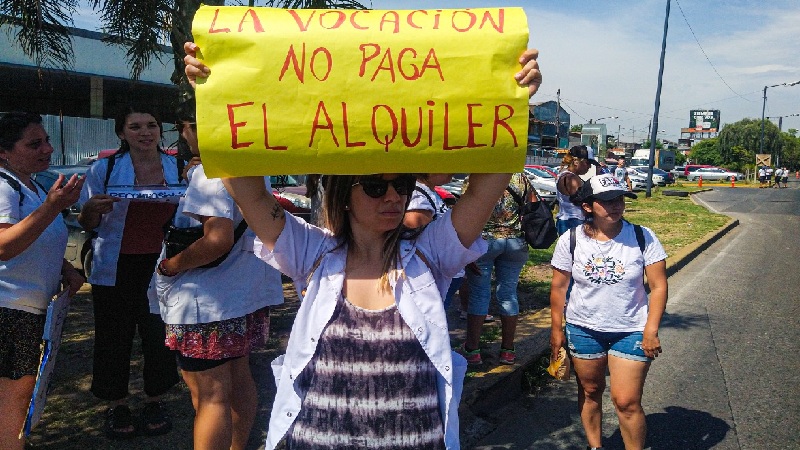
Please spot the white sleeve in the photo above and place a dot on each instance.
(419, 202)
(9, 203)
(653, 250)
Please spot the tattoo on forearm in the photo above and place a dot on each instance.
(277, 212)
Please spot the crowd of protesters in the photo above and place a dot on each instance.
(382, 260)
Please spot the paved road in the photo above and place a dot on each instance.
(730, 374)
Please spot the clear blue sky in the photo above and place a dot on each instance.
(604, 57)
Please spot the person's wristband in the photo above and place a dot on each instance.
(163, 270)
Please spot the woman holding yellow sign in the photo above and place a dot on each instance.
(369, 359)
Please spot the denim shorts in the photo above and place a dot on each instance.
(585, 343)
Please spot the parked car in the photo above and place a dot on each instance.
(544, 182)
(449, 198)
(678, 172)
(638, 181)
(714, 173)
(291, 195)
(689, 168)
(545, 168)
(455, 186)
(660, 177)
(78, 245)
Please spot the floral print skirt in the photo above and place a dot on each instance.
(230, 338)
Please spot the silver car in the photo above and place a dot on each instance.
(714, 173)
(544, 183)
(659, 179)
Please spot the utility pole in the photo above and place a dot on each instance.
(658, 105)
(558, 113)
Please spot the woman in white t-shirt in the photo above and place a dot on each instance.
(215, 316)
(426, 206)
(611, 324)
(32, 265)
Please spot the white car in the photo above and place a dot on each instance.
(544, 183)
(638, 181)
(714, 173)
(658, 178)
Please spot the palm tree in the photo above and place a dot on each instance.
(138, 25)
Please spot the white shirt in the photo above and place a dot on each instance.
(29, 280)
(107, 244)
(620, 173)
(566, 209)
(420, 202)
(608, 293)
(438, 208)
(418, 295)
(241, 284)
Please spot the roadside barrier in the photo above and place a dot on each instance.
(733, 181)
(700, 181)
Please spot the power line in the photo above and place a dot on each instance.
(704, 52)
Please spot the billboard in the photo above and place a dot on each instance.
(704, 120)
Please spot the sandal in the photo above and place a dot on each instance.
(119, 423)
(154, 420)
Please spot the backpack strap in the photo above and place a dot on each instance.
(430, 200)
(112, 159)
(637, 229)
(639, 236)
(572, 242)
(14, 185)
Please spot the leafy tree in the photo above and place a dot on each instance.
(792, 131)
(746, 133)
(706, 151)
(791, 151)
(742, 159)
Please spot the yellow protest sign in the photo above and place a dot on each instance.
(361, 91)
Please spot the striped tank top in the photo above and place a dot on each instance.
(369, 385)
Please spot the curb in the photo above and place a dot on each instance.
(487, 395)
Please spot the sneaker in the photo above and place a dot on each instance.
(508, 356)
(473, 356)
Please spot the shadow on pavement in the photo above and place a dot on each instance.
(683, 321)
(679, 428)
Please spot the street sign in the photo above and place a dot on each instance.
(763, 159)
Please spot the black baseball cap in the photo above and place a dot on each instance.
(603, 187)
(582, 152)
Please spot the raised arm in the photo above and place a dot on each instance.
(260, 209)
(15, 238)
(474, 207)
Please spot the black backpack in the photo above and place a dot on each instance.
(536, 219)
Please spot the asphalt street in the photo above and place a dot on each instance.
(728, 377)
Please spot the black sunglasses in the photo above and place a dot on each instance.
(377, 187)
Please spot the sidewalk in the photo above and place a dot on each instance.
(492, 386)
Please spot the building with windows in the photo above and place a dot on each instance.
(549, 126)
(96, 85)
(79, 104)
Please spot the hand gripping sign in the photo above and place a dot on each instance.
(361, 91)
